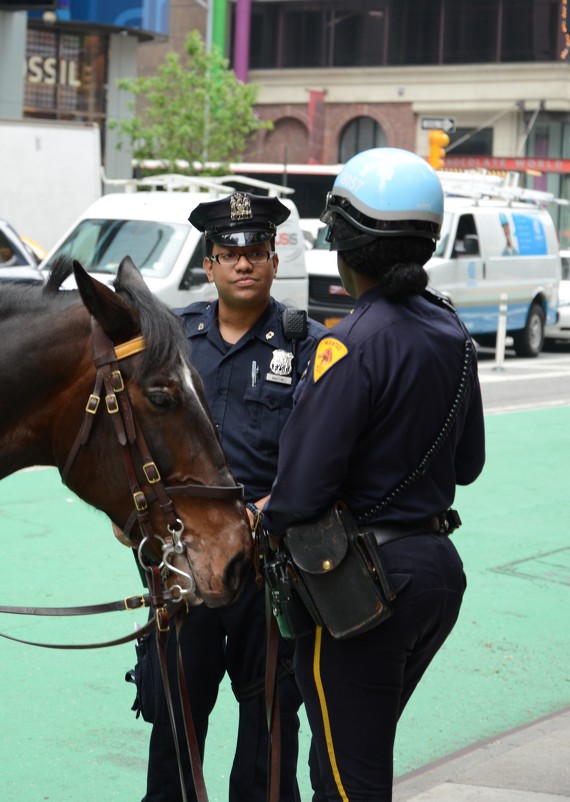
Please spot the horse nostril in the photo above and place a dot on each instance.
(236, 572)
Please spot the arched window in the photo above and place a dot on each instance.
(360, 134)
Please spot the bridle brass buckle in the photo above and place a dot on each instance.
(151, 472)
(140, 501)
(92, 404)
(117, 381)
(160, 616)
(134, 602)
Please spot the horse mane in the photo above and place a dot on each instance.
(38, 299)
(162, 329)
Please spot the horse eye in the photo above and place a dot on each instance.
(161, 399)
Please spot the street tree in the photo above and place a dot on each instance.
(194, 110)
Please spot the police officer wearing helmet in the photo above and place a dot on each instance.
(250, 361)
(381, 387)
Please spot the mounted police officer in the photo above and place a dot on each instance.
(250, 362)
(368, 430)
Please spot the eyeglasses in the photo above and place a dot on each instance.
(230, 259)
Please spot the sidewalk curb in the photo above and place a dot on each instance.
(529, 762)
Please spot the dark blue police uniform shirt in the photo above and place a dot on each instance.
(367, 421)
(249, 410)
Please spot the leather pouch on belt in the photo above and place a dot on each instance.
(339, 577)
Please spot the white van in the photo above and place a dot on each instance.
(148, 221)
(497, 242)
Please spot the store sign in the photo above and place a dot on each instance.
(536, 163)
(49, 70)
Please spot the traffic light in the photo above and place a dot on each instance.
(438, 141)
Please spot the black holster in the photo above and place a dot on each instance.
(328, 574)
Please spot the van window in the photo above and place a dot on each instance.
(100, 245)
(466, 241)
(321, 241)
(441, 244)
(194, 275)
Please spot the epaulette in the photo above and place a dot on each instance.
(438, 298)
(196, 308)
(441, 300)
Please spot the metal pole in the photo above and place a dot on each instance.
(208, 6)
(501, 333)
(285, 163)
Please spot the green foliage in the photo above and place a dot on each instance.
(195, 111)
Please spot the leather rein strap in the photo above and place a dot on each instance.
(161, 631)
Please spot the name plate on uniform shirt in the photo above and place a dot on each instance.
(272, 377)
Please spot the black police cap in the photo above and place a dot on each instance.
(239, 219)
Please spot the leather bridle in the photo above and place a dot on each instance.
(134, 450)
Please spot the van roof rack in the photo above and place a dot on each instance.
(272, 189)
(168, 182)
(480, 184)
(175, 182)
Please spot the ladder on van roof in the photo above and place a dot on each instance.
(479, 185)
(175, 182)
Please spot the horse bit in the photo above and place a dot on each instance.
(106, 357)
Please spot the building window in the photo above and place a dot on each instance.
(65, 76)
(372, 33)
(361, 133)
(321, 33)
(302, 39)
(470, 32)
(529, 30)
(356, 36)
(414, 32)
(467, 142)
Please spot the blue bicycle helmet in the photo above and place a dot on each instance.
(385, 192)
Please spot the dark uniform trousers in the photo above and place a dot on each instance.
(355, 690)
(231, 639)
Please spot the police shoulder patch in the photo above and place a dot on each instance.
(329, 351)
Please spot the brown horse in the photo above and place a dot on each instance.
(98, 383)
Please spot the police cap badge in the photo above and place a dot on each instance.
(239, 219)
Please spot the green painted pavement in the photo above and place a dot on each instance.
(68, 734)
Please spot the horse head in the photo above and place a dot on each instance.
(147, 452)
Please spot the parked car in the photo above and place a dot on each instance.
(561, 329)
(17, 260)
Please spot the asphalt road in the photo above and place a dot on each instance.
(515, 384)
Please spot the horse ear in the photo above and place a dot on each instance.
(118, 319)
(128, 275)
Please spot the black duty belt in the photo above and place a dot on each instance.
(443, 524)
